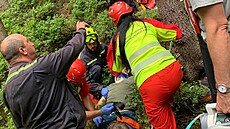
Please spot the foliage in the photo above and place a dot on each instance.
(106, 76)
(193, 91)
(187, 102)
(101, 25)
(3, 69)
(42, 22)
(3, 75)
(96, 16)
(87, 10)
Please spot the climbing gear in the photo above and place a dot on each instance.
(77, 71)
(118, 9)
(91, 35)
(118, 106)
(129, 121)
(192, 17)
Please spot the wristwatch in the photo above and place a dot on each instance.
(222, 88)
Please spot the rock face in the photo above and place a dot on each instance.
(172, 11)
(3, 6)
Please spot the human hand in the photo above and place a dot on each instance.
(107, 109)
(223, 102)
(104, 92)
(97, 120)
(81, 25)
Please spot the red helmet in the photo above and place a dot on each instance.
(150, 4)
(117, 9)
(77, 71)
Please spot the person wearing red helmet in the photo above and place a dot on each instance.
(76, 77)
(148, 4)
(136, 45)
(144, 4)
(131, 3)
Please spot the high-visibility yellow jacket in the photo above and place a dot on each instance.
(142, 48)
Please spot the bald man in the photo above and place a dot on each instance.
(37, 93)
(17, 48)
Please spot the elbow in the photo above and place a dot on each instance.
(218, 27)
(222, 28)
(218, 31)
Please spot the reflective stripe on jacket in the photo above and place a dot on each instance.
(143, 51)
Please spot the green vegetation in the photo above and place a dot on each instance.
(49, 25)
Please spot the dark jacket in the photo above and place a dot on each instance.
(38, 95)
(91, 59)
(88, 57)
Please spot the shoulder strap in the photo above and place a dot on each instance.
(192, 16)
(129, 121)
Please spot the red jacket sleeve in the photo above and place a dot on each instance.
(111, 60)
(163, 25)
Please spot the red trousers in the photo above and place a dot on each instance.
(157, 92)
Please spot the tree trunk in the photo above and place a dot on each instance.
(3, 33)
(3, 6)
(172, 11)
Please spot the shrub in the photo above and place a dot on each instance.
(86, 10)
(40, 24)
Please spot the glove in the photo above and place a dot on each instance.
(97, 120)
(107, 109)
(104, 92)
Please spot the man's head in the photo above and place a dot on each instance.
(77, 73)
(91, 39)
(16, 48)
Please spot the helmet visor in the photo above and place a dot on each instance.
(91, 39)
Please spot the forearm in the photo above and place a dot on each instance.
(100, 102)
(92, 114)
(88, 103)
(217, 40)
(220, 54)
(61, 60)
